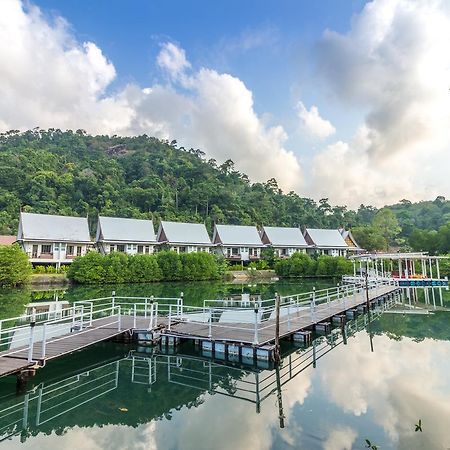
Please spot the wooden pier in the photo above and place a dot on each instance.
(246, 329)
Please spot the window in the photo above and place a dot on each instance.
(70, 250)
(79, 250)
(182, 249)
(120, 247)
(46, 248)
(56, 247)
(147, 249)
(140, 249)
(235, 251)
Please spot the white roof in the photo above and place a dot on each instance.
(125, 230)
(285, 237)
(326, 238)
(46, 227)
(184, 233)
(242, 235)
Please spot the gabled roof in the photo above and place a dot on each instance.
(183, 233)
(242, 235)
(46, 227)
(125, 230)
(7, 240)
(348, 236)
(325, 238)
(284, 237)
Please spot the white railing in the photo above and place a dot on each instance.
(257, 316)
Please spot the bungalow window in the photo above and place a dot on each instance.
(234, 251)
(79, 250)
(182, 249)
(120, 247)
(140, 249)
(70, 250)
(56, 247)
(46, 248)
(147, 249)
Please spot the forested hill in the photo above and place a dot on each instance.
(69, 172)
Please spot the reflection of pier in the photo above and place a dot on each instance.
(46, 405)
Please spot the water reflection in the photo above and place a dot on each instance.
(331, 395)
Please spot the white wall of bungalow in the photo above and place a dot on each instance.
(53, 239)
(130, 236)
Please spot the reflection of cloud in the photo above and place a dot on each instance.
(340, 439)
(398, 384)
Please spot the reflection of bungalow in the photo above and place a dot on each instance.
(7, 240)
(48, 239)
(353, 246)
(284, 241)
(238, 242)
(326, 242)
(131, 236)
(184, 237)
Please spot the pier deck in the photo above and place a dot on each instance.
(299, 319)
(29, 345)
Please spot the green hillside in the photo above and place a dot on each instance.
(70, 172)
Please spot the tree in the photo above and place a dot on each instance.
(386, 221)
(369, 238)
(15, 268)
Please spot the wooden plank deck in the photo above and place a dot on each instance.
(59, 346)
(245, 332)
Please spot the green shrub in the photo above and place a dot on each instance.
(15, 269)
(88, 269)
(170, 264)
(143, 269)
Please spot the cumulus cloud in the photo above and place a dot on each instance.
(392, 64)
(312, 124)
(173, 59)
(52, 80)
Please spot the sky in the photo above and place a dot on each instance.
(348, 100)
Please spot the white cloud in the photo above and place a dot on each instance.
(341, 438)
(51, 80)
(312, 124)
(394, 65)
(173, 59)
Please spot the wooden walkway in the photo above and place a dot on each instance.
(300, 320)
(67, 343)
(15, 359)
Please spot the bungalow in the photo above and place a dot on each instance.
(238, 242)
(131, 236)
(183, 237)
(326, 242)
(284, 241)
(353, 246)
(48, 239)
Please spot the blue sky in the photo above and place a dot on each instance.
(341, 99)
(269, 45)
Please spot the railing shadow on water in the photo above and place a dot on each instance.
(50, 402)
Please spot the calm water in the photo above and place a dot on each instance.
(115, 396)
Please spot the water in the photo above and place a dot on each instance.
(181, 401)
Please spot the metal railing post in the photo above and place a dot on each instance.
(31, 341)
(145, 307)
(81, 317)
(113, 299)
(119, 319)
(73, 317)
(44, 340)
(152, 306)
(181, 303)
(255, 338)
(92, 313)
(210, 323)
